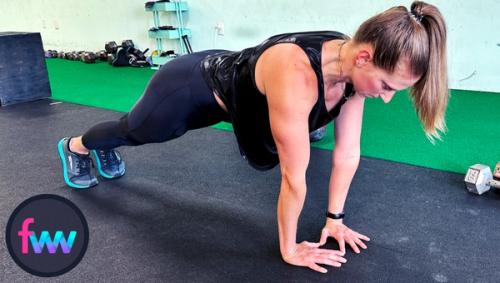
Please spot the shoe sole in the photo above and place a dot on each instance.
(62, 156)
(99, 169)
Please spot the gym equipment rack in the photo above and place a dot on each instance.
(176, 33)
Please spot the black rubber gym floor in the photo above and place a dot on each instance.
(192, 210)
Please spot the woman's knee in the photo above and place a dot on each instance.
(154, 132)
(141, 135)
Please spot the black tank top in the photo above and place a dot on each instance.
(232, 76)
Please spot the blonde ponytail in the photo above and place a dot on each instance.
(420, 36)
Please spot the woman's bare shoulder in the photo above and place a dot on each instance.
(283, 62)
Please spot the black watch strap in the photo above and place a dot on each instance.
(335, 215)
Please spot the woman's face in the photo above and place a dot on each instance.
(370, 81)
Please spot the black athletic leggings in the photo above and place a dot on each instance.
(176, 100)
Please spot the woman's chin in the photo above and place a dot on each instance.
(368, 95)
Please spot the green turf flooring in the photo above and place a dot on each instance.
(390, 131)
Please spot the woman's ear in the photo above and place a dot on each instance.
(364, 56)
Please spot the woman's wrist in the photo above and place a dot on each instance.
(288, 252)
(335, 218)
(334, 221)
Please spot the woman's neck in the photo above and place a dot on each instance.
(337, 61)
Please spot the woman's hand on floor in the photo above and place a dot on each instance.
(310, 255)
(343, 235)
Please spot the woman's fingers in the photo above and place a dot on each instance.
(328, 261)
(317, 268)
(341, 242)
(312, 245)
(354, 238)
(330, 255)
(353, 246)
(324, 236)
(338, 259)
(360, 243)
(361, 236)
(330, 252)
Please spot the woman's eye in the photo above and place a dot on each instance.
(386, 87)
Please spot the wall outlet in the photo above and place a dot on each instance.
(219, 27)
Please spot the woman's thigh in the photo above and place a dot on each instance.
(176, 99)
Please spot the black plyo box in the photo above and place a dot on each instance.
(23, 73)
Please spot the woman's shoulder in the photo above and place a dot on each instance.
(286, 57)
(285, 62)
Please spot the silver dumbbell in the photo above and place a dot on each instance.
(479, 178)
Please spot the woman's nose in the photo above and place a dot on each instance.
(387, 96)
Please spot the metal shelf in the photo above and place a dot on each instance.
(167, 7)
(169, 34)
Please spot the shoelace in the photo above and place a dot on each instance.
(83, 165)
(108, 157)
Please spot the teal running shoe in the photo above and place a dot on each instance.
(77, 168)
(110, 164)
